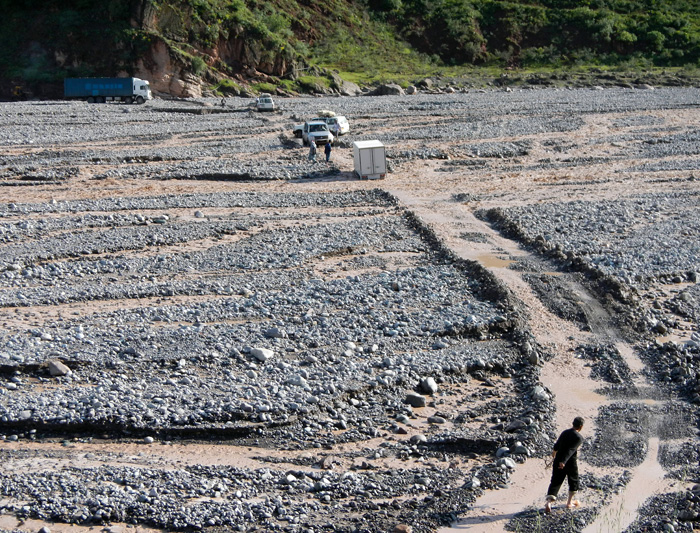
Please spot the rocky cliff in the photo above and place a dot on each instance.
(179, 66)
(182, 53)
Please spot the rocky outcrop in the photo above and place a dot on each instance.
(241, 54)
(166, 74)
(170, 69)
(387, 89)
(345, 88)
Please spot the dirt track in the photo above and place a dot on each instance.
(448, 186)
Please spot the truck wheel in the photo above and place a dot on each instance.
(297, 134)
(100, 99)
(140, 100)
(91, 100)
(128, 100)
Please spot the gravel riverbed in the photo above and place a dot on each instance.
(179, 274)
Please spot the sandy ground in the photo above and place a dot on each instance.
(429, 193)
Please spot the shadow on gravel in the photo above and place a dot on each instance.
(201, 110)
(561, 520)
(622, 437)
(558, 298)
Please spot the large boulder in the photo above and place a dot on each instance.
(261, 354)
(57, 368)
(388, 89)
(428, 386)
(415, 400)
(350, 89)
(346, 88)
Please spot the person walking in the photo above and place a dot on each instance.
(327, 149)
(565, 465)
(312, 149)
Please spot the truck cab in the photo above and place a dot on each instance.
(142, 90)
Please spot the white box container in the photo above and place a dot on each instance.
(370, 159)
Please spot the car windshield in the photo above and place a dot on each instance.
(317, 127)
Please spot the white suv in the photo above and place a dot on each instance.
(337, 125)
(265, 103)
(318, 131)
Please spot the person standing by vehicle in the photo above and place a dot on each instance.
(312, 149)
(565, 465)
(327, 149)
(336, 129)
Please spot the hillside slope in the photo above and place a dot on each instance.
(522, 32)
(185, 47)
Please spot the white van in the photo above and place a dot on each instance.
(265, 103)
(337, 124)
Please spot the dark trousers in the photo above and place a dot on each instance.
(569, 471)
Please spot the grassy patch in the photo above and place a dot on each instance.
(263, 87)
(226, 87)
(288, 85)
(313, 84)
(375, 56)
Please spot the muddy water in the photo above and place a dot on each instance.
(575, 395)
(632, 359)
(566, 376)
(678, 339)
(12, 523)
(621, 511)
(493, 261)
(494, 509)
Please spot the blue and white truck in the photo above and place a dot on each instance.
(101, 90)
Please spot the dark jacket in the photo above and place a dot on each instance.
(567, 446)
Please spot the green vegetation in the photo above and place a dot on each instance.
(226, 87)
(376, 56)
(365, 40)
(549, 32)
(40, 43)
(263, 87)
